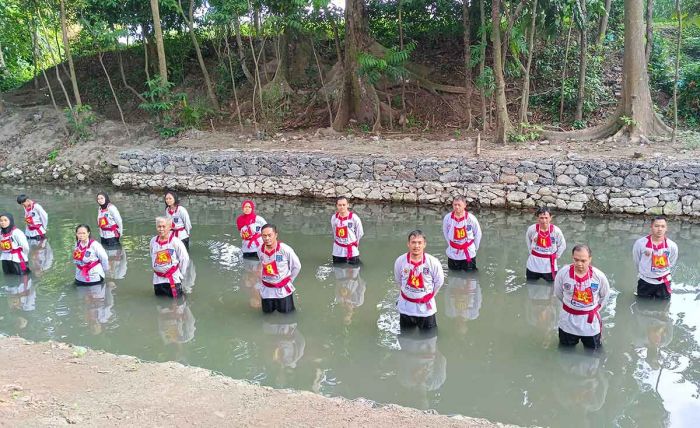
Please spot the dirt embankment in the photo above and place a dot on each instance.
(49, 384)
(37, 149)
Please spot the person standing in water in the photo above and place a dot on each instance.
(347, 232)
(249, 225)
(419, 276)
(583, 290)
(463, 235)
(180, 218)
(89, 257)
(169, 259)
(36, 218)
(280, 267)
(655, 255)
(545, 243)
(14, 247)
(109, 221)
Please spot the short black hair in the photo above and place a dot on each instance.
(543, 210)
(579, 247)
(269, 226)
(417, 233)
(82, 225)
(21, 198)
(657, 218)
(340, 198)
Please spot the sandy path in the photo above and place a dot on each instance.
(49, 384)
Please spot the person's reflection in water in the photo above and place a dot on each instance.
(21, 298)
(350, 290)
(252, 280)
(284, 346)
(654, 329)
(462, 300)
(421, 366)
(40, 256)
(98, 302)
(581, 387)
(541, 311)
(189, 278)
(176, 325)
(117, 262)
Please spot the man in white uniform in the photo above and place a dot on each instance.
(655, 256)
(419, 276)
(280, 267)
(463, 235)
(347, 232)
(545, 244)
(36, 218)
(583, 290)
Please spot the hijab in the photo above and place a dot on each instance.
(11, 226)
(246, 219)
(107, 201)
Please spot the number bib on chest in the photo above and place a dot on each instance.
(582, 297)
(659, 261)
(415, 281)
(341, 232)
(78, 254)
(460, 233)
(29, 220)
(544, 241)
(103, 222)
(270, 269)
(164, 257)
(245, 233)
(5, 245)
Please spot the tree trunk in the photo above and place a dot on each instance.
(69, 57)
(189, 20)
(35, 50)
(525, 98)
(677, 65)
(466, 22)
(241, 51)
(402, 118)
(114, 94)
(482, 64)
(233, 81)
(162, 66)
(603, 26)
(635, 104)
(503, 124)
(336, 36)
(358, 100)
(2, 61)
(650, 30)
(323, 85)
(563, 75)
(583, 61)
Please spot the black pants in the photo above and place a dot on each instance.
(652, 291)
(253, 256)
(186, 241)
(350, 260)
(36, 237)
(590, 342)
(461, 264)
(534, 276)
(109, 242)
(13, 268)
(87, 284)
(423, 323)
(163, 289)
(283, 305)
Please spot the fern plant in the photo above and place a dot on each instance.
(392, 65)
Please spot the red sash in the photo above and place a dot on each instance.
(169, 275)
(348, 247)
(18, 250)
(547, 237)
(425, 299)
(663, 245)
(254, 238)
(284, 283)
(176, 230)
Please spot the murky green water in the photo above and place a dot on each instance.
(496, 352)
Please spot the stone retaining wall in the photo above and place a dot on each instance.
(617, 186)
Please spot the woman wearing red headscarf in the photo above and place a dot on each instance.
(249, 225)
